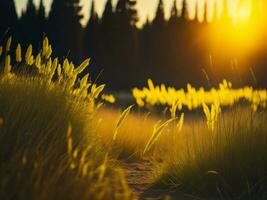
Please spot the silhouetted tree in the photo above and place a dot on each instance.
(127, 13)
(196, 17)
(167, 51)
(126, 41)
(184, 11)
(206, 14)
(174, 13)
(91, 32)
(65, 29)
(107, 45)
(159, 19)
(8, 17)
(108, 12)
(42, 22)
(29, 26)
(146, 43)
(159, 41)
(92, 38)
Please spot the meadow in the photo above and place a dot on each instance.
(61, 137)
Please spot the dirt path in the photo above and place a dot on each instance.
(138, 174)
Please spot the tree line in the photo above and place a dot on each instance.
(173, 51)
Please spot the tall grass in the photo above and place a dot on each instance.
(49, 146)
(55, 144)
(227, 163)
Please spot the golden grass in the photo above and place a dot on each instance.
(227, 163)
(59, 142)
(49, 146)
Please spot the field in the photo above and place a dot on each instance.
(62, 138)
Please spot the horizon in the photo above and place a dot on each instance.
(146, 8)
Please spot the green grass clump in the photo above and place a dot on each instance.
(227, 163)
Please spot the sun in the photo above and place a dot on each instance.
(242, 13)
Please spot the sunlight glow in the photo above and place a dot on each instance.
(242, 13)
(240, 37)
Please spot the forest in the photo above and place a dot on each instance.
(174, 50)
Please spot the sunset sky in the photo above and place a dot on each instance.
(146, 8)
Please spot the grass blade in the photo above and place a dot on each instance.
(156, 134)
(121, 120)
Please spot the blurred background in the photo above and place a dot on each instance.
(171, 42)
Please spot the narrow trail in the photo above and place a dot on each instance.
(138, 178)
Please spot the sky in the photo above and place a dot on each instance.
(146, 8)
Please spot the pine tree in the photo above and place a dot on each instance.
(29, 26)
(159, 19)
(8, 17)
(125, 40)
(205, 15)
(93, 20)
(65, 29)
(42, 22)
(184, 12)
(31, 11)
(107, 45)
(126, 12)
(108, 14)
(41, 12)
(196, 18)
(91, 32)
(174, 13)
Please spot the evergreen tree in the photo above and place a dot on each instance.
(108, 14)
(184, 12)
(31, 11)
(159, 19)
(42, 22)
(107, 45)
(159, 42)
(174, 13)
(125, 40)
(91, 45)
(8, 17)
(41, 17)
(196, 18)
(126, 12)
(65, 29)
(29, 26)
(91, 31)
(206, 13)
